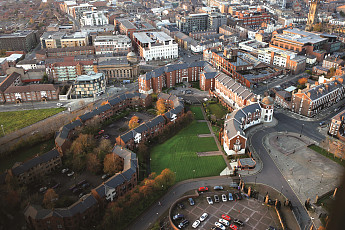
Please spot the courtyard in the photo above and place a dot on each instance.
(179, 153)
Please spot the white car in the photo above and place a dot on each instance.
(70, 174)
(203, 217)
(59, 104)
(196, 224)
(209, 200)
(64, 170)
(224, 198)
(224, 222)
(43, 189)
(219, 225)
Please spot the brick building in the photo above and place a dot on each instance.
(64, 52)
(311, 100)
(20, 40)
(13, 79)
(250, 16)
(34, 92)
(35, 168)
(336, 127)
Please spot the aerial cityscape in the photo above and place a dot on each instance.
(167, 115)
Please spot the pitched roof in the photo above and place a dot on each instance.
(8, 81)
(35, 161)
(30, 88)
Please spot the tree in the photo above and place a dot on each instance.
(342, 14)
(317, 27)
(78, 162)
(134, 122)
(104, 103)
(169, 177)
(103, 148)
(331, 72)
(160, 106)
(50, 197)
(308, 72)
(92, 163)
(302, 81)
(12, 199)
(112, 163)
(83, 144)
(31, 21)
(45, 78)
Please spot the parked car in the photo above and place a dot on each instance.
(43, 189)
(191, 201)
(70, 174)
(271, 228)
(233, 227)
(85, 185)
(209, 200)
(224, 199)
(203, 189)
(219, 225)
(181, 206)
(105, 176)
(101, 132)
(203, 216)
(215, 228)
(239, 196)
(226, 217)
(224, 222)
(230, 196)
(64, 170)
(183, 224)
(216, 198)
(322, 123)
(105, 137)
(81, 194)
(196, 224)
(218, 187)
(73, 187)
(76, 190)
(238, 222)
(59, 104)
(178, 216)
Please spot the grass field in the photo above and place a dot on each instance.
(179, 154)
(15, 120)
(218, 110)
(327, 154)
(197, 112)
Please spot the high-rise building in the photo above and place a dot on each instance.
(192, 22)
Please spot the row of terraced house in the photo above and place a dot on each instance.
(86, 210)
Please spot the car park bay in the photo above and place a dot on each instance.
(252, 212)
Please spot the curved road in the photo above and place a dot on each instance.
(270, 174)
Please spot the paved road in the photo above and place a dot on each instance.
(155, 211)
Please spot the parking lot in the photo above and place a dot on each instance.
(255, 214)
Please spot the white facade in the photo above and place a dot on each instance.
(275, 56)
(200, 47)
(94, 18)
(156, 45)
(112, 44)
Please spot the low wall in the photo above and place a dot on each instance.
(174, 204)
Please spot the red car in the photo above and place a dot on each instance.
(226, 217)
(203, 189)
(100, 132)
(233, 227)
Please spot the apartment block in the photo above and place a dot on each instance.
(94, 18)
(19, 41)
(61, 40)
(89, 85)
(112, 44)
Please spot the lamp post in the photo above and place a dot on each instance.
(2, 127)
(193, 173)
(281, 191)
(321, 178)
(301, 130)
(255, 179)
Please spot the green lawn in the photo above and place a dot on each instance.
(19, 119)
(218, 110)
(197, 112)
(327, 154)
(179, 154)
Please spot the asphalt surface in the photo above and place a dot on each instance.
(270, 174)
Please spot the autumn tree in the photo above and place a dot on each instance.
(160, 106)
(112, 163)
(331, 72)
(169, 177)
(104, 103)
(302, 81)
(103, 148)
(93, 164)
(50, 197)
(134, 122)
(83, 144)
(12, 199)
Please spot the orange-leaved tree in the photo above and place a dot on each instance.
(112, 163)
(49, 198)
(302, 81)
(160, 106)
(134, 122)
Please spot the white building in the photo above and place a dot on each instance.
(112, 44)
(94, 18)
(155, 45)
(274, 56)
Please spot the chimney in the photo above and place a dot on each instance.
(308, 85)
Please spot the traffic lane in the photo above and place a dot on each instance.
(30, 106)
(150, 217)
(307, 128)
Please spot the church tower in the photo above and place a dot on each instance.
(312, 15)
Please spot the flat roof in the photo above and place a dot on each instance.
(92, 76)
